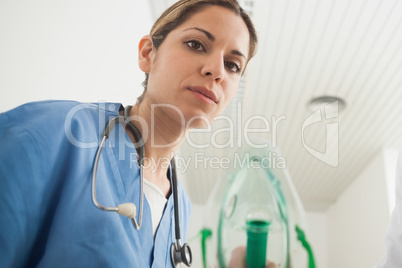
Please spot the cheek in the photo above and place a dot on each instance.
(229, 93)
(175, 67)
(231, 90)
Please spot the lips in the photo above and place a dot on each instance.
(205, 92)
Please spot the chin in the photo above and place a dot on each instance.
(199, 125)
(199, 121)
(198, 117)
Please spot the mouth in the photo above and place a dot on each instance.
(204, 94)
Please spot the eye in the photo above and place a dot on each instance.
(193, 44)
(233, 67)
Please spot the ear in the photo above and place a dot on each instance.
(145, 49)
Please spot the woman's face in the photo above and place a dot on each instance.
(197, 68)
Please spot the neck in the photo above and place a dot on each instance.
(162, 136)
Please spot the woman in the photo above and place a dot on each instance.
(193, 60)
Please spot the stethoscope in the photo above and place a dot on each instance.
(179, 254)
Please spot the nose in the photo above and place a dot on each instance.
(214, 67)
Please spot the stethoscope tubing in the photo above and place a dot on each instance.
(119, 209)
(176, 204)
(94, 199)
(179, 254)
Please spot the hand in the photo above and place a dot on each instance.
(238, 259)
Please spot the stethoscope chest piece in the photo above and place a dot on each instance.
(181, 255)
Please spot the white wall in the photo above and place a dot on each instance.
(317, 236)
(351, 232)
(390, 162)
(197, 222)
(356, 223)
(81, 50)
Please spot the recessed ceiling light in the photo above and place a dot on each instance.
(322, 101)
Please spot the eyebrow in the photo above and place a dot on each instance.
(212, 38)
(238, 53)
(208, 34)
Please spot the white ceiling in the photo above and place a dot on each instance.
(309, 48)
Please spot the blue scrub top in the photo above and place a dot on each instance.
(47, 152)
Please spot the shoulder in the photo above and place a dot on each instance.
(52, 110)
(49, 118)
(54, 127)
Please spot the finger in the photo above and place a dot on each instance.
(271, 265)
(238, 259)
